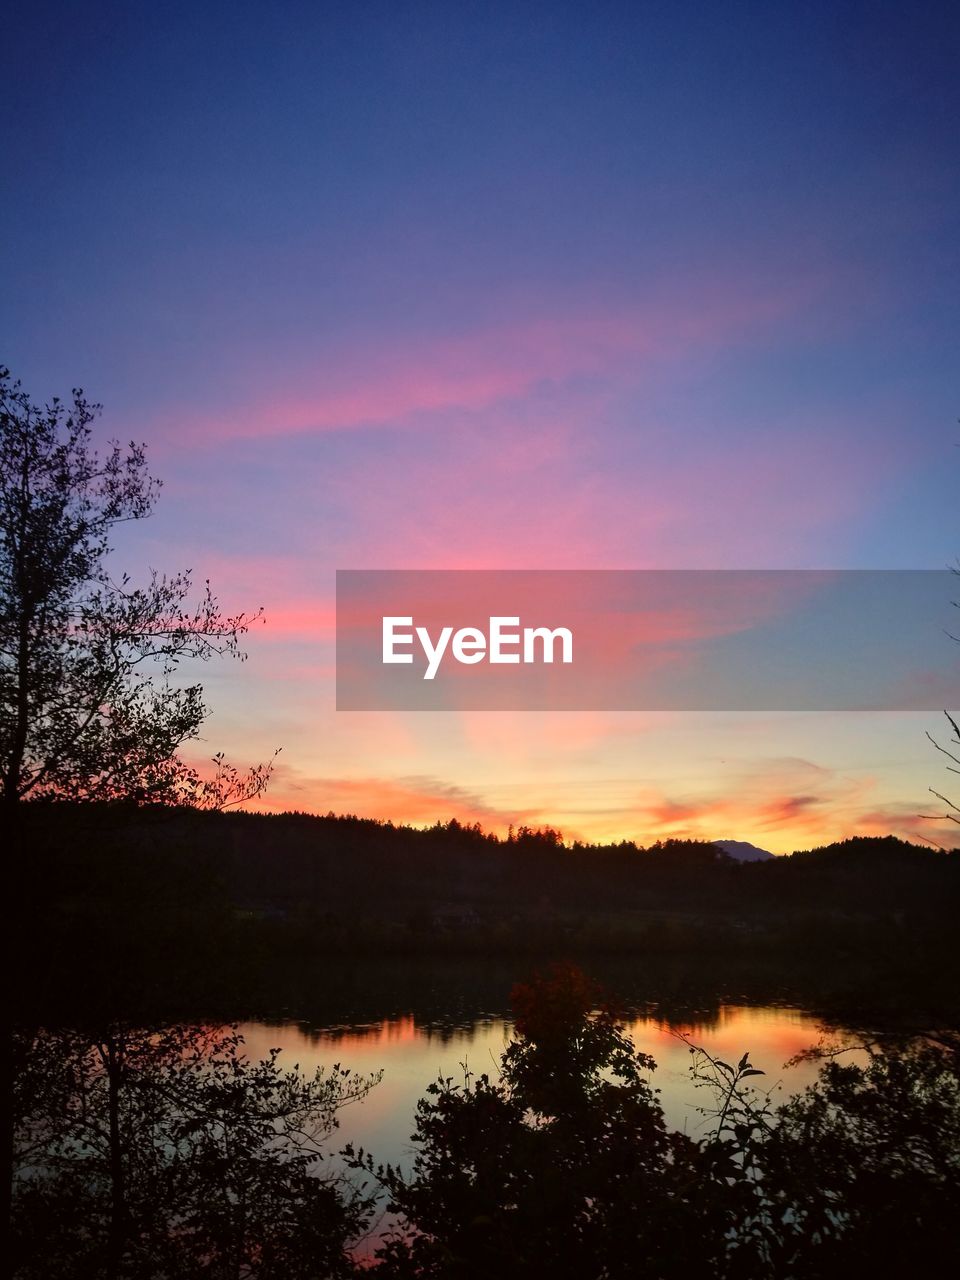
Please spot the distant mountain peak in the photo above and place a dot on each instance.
(743, 850)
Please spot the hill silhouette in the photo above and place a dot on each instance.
(744, 851)
(449, 877)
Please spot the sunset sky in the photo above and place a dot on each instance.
(529, 286)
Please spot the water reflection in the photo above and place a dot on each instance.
(413, 1053)
(415, 1023)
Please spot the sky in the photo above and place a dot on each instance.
(566, 286)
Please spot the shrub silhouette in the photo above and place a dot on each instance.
(564, 1166)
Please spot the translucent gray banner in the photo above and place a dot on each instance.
(663, 640)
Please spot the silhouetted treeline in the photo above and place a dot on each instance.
(143, 882)
(293, 860)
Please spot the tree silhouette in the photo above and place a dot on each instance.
(860, 1174)
(952, 812)
(562, 1167)
(88, 707)
(168, 1152)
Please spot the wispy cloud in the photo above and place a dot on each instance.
(403, 378)
(416, 800)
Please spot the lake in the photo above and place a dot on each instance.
(412, 1055)
(417, 1019)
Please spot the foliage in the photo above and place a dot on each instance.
(569, 1044)
(88, 706)
(170, 1153)
(738, 1112)
(575, 1174)
(566, 1171)
(862, 1170)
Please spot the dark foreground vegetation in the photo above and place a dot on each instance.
(168, 1154)
(147, 1145)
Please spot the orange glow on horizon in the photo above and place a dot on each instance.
(780, 826)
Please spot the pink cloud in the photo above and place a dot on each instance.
(409, 376)
(533, 486)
